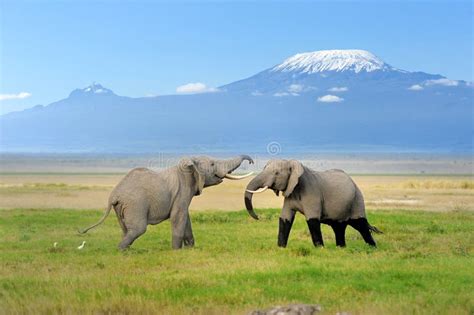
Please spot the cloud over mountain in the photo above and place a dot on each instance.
(196, 87)
(295, 88)
(443, 81)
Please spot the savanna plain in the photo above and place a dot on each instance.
(422, 265)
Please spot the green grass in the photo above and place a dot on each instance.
(46, 187)
(423, 265)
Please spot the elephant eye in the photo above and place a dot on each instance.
(212, 164)
(276, 173)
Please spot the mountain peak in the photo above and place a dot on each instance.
(93, 89)
(96, 88)
(355, 60)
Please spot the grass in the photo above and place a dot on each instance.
(439, 184)
(423, 265)
(428, 192)
(46, 187)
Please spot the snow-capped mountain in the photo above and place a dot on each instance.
(93, 89)
(347, 100)
(333, 60)
(324, 70)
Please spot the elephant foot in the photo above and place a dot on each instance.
(122, 247)
(177, 242)
(188, 243)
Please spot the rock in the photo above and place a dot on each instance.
(292, 309)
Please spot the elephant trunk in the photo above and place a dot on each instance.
(254, 184)
(235, 162)
(228, 166)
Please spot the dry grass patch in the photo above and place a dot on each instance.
(436, 193)
(438, 184)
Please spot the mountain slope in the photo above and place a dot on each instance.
(326, 100)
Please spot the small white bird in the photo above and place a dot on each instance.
(55, 244)
(82, 245)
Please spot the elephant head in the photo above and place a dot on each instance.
(210, 172)
(278, 175)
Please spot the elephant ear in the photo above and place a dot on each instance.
(296, 169)
(190, 166)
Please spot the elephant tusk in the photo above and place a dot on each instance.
(236, 177)
(260, 190)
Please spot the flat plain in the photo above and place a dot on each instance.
(422, 264)
(91, 191)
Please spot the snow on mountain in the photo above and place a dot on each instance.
(333, 60)
(325, 70)
(94, 88)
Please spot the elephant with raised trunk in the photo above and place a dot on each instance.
(146, 197)
(330, 197)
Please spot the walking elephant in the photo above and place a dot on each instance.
(329, 197)
(147, 197)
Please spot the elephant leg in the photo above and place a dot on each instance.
(339, 229)
(314, 226)
(178, 227)
(188, 234)
(133, 232)
(286, 222)
(362, 226)
(118, 210)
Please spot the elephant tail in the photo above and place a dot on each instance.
(106, 214)
(374, 229)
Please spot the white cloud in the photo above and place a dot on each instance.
(338, 89)
(330, 99)
(196, 87)
(445, 82)
(295, 88)
(415, 87)
(19, 96)
(280, 94)
(257, 93)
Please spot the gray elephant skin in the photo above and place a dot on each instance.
(146, 197)
(330, 197)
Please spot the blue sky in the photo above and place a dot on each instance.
(48, 48)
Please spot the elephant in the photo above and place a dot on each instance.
(146, 197)
(330, 197)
